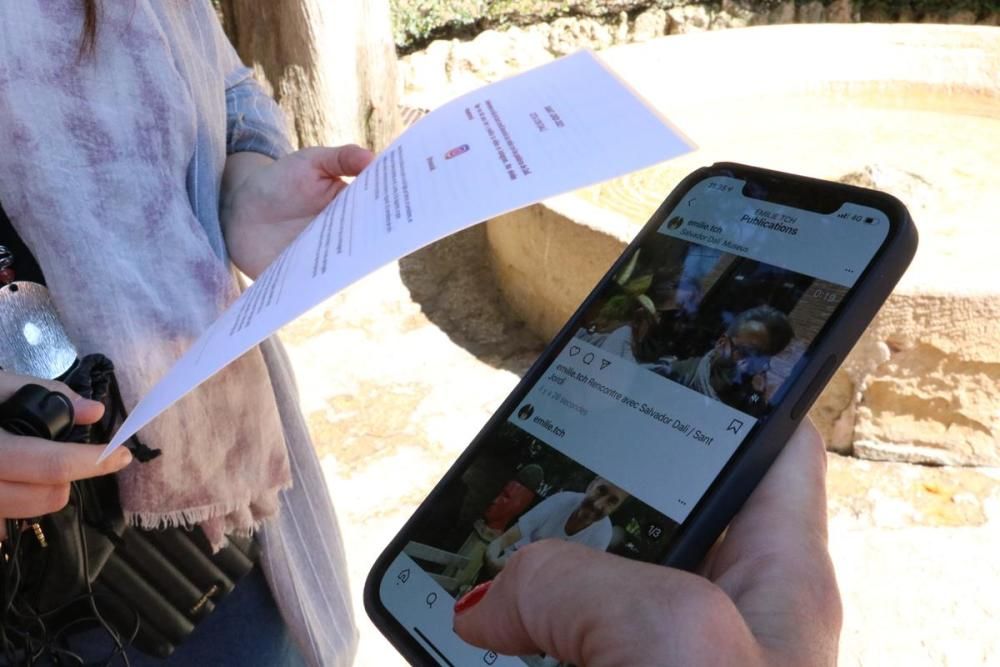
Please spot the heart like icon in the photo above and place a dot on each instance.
(574, 350)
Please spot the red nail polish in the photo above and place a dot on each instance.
(472, 598)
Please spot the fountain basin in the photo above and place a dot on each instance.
(910, 109)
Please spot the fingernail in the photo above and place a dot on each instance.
(123, 457)
(472, 598)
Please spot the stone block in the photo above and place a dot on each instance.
(688, 18)
(963, 17)
(783, 13)
(571, 34)
(427, 69)
(810, 12)
(622, 31)
(649, 24)
(875, 15)
(840, 11)
(935, 398)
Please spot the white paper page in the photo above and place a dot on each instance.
(556, 128)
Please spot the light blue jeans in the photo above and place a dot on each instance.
(245, 629)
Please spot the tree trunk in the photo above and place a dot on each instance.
(330, 64)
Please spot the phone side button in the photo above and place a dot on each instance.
(816, 386)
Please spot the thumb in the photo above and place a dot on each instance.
(572, 602)
(338, 161)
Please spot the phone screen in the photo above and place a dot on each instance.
(682, 349)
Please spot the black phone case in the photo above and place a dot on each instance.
(738, 478)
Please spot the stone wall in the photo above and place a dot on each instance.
(416, 24)
(500, 38)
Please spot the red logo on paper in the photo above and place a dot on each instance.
(455, 152)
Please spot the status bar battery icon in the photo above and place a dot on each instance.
(869, 221)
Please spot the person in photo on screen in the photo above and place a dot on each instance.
(628, 322)
(568, 515)
(734, 370)
(652, 302)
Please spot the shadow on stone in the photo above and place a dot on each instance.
(453, 282)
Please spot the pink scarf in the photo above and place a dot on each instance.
(104, 169)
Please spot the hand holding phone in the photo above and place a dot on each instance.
(644, 428)
(768, 596)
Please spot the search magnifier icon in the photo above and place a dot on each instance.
(431, 599)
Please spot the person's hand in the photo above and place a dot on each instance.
(266, 203)
(769, 596)
(35, 474)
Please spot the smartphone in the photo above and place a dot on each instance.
(650, 418)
